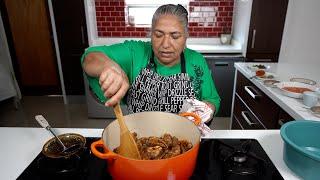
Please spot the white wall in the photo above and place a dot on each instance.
(301, 36)
(241, 22)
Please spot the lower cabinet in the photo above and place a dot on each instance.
(255, 110)
(244, 116)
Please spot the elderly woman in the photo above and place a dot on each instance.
(156, 76)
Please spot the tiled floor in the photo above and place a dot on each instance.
(61, 115)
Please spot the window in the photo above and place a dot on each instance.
(139, 12)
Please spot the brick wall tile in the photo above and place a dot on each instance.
(121, 19)
(100, 19)
(105, 3)
(207, 18)
(104, 13)
(120, 28)
(106, 34)
(119, 8)
(114, 3)
(115, 24)
(140, 29)
(135, 34)
(125, 34)
(110, 29)
(105, 24)
(115, 34)
(115, 14)
(110, 19)
(99, 9)
(130, 29)
(109, 8)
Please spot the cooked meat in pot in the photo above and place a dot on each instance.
(163, 147)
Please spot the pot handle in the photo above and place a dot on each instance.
(197, 119)
(99, 144)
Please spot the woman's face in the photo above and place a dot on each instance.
(168, 39)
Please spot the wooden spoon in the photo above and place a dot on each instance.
(128, 146)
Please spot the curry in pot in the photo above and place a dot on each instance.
(166, 146)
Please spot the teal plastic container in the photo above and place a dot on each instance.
(301, 150)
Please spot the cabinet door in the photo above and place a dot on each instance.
(28, 31)
(266, 28)
(72, 38)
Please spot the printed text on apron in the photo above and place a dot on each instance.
(153, 92)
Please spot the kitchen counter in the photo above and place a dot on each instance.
(219, 48)
(201, 45)
(283, 72)
(19, 146)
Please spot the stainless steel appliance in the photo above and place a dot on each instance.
(96, 109)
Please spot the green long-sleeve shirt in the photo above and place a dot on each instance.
(133, 56)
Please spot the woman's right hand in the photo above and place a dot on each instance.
(114, 83)
(112, 79)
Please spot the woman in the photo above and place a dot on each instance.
(154, 76)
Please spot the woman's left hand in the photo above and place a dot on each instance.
(203, 109)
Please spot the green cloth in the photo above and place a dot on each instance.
(133, 56)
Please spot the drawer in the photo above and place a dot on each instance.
(244, 116)
(260, 104)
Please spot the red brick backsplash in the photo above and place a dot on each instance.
(207, 19)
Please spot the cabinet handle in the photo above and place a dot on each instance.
(243, 114)
(221, 63)
(253, 38)
(250, 92)
(280, 122)
(82, 35)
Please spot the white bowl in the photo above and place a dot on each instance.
(286, 92)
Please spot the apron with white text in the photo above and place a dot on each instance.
(153, 92)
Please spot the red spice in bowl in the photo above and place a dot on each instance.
(260, 72)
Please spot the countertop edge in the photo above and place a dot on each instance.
(276, 95)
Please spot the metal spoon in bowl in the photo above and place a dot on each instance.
(44, 123)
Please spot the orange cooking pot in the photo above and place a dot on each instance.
(147, 124)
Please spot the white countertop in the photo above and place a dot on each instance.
(284, 72)
(218, 48)
(19, 146)
(201, 45)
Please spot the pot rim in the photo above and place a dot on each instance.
(67, 154)
(290, 142)
(155, 160)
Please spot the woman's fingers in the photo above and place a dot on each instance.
(113, 88)
(119, 95)
(114, 84)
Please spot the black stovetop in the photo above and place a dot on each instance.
(218, 159)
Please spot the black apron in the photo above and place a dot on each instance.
(153, 92)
